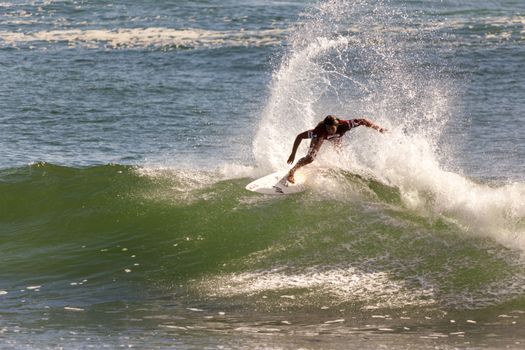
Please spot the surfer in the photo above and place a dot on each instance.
(331, 128)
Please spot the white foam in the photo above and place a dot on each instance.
(188, 178)
(375, 289)
(410, 164)
(76, 309)
(186, 184)
(492, 21)
(146, 37)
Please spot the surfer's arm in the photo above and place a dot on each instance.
(369, 124)
(297, 142)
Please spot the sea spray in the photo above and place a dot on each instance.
(352, 59)
(371, 59)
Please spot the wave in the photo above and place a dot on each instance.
(87, 233)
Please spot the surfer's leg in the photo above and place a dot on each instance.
(312, 152)
(302, 162)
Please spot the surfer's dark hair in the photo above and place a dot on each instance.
(330, 120)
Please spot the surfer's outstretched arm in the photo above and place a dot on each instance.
(369, 124)
(298, 139)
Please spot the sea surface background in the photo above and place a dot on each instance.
(130, 129)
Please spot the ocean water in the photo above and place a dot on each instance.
(130, 129)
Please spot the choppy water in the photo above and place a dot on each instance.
(129, 130)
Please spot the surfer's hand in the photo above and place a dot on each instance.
(381, 130)
(290, 160)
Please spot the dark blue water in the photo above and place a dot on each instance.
(75, 98)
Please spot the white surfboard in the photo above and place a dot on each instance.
(276, 183)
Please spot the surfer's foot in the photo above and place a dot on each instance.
(290, 178)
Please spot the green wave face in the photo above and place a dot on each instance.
(113, 233)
